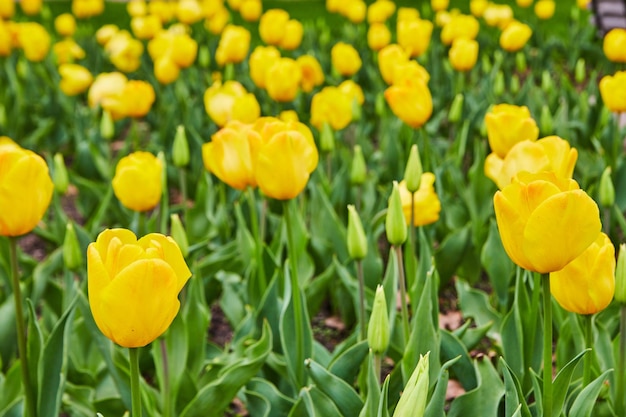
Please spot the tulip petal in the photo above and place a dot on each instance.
(170, 253)
(103, 241)
(511, 227)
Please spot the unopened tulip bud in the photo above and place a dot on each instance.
(378, 327)
(607, 189)
(72, 254)
(3, 115)
(545, 120)
(520, 61)
(357, 241)
(357, 111)
(456, 109)
(413, 171)
(60, 178)
(498, 57)
(413, 399)
(327, 138)
(580, 72)
(485, 64)
(107, 127)
(179, 234)
(395, 224)
(180, 148)
(546, 82)
(204, 56)
(358, 172)
(620, 275)
(380, 105)
(515, 84)
(498, 84)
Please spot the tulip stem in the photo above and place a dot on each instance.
(182, 178)
(258, 242)
(620, 373)
(362, 317)
(404, 311)
(135, 388)
(547, 346)
(21, 330)
(167, 390)
(588, 329)
(378, 366)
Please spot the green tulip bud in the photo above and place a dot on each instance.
(545, 120)
(358, 172)
(59, 175)
(546, 82)
(72, 254)
(580, 72)
(456, 109)
(179, 234)
(498, 58)
(485, 63)
(357, 110)
(327, 138)
(412, 402)
(180, 148)
(378, 327)
(357, 241)
(3, 115)
(413, 171)
(380, 105)
(204, 56)
(515, 84)
(520, 61)
(583, 104)
(107, 127)
(498, 84)
(607, 189)
(395, 224)
(620, 275)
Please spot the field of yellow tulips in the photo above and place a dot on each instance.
(339, 208)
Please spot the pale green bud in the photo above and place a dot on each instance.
(72, 255)
(520, 61)
(413, 171)
(107, 127)
(395, 223)
(59, 175)
(358, 171)
(180, 148)
(620, 275)
(380, 105)
(545, 120)
(327, 138)
(357, 110)
(607, 189)
(179, 234)
(515, 84)
(204, 56)
(456, 108)
(378, 327)
(498, 57)
(547, 85)
(357, 241)
(580, 72)
(485, 63)
(498, 84)
(412, 402)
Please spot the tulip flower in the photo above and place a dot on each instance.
(614, 45)
(548, 154)
(331, 106)
(34, 40)
(378, 327)
(272, 26)
(146, 27)
(312, 73)
(613, 91)
(414, 36)
(134, 285)
(75, 79)
(463, 54)
(26, 189)
(353, 91)
(544, 9)
(188, 11)
(293, 35)
(137, 181)
(124, 51)
(459, 26)
(478, 7)
(65, 24)
(134, 100)
(514, 36)
(231, 154)
(587, 284)
(7, 10)
(105, 87)
(251, 10)
(83, 9)
(105, 33)
(439, 5)
(161, 8)
(507, 125)
(378, 36)
(536, 215)
(355, 11)
(408, 73)
(380, 10)
(414, 397)
(233, 46)
(283, 80)
(230, 101)
(426, 202)
(345, 59)
(67, 51)
(165, 70)
(31, 7)
(6, 44)
(413, 104)
(261, 59)
(524, 3)
(499, 15)
(388, 58)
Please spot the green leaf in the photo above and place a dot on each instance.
(318, 404)
(497, 264)
(586, 400)
(475, 304)
(453, 349)
(450, 253)
(347, 364)
(8, 333)
(257, 404)
(562, 383)
(515, 403)
(383, 407)
(474, 335)
(343, 395)
(196, 317)
(34, 347)
(279, 403)
(370, 408)
(11, 388)
(435, 407)
(485, 398)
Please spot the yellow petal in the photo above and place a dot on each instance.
(170, 253)
(511, 226)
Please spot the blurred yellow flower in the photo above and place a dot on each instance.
(614, 45)
(272, 26)
(163, 9)
(499, 15)
(165, 70)
(251, 10)
(136, 8)
(408, 73)
(514, 36)
(105, 85)
(217, 21)
(105, 33)
(544, 9)
(124, 51)
(67, 51)
(135, 99)
(463, 54)
(459, 26)
(332, 106)
(388, 58)
(507, 125)
(30, 7)
(352, 90)
(145, 27)
(261, 59)
(289, 116)
(312, 73)
(7, 10)
(413, 104)
(524, 3)
(230, 101)
(414, 36)
(283, 80)
(378, 36)
(233, 46)
(426, 203)
(293, 35)
(133, 285)
(345, 59)
(65, 24)
(380, 10)
(5, 39)
(478, 7)
(587, 284)
(439, 5)
(613, 91)
(83, 9)
(137, 182)
(34, 40)
(75, 79)
(188, 11)
(408, 13)
(545, 222)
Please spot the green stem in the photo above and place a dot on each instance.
(606, 221)
(412, 225)
(378, 366)
(167, 390)
(254, 221)
(21, 331)
(182, 174)
(362, 317)
(547, 346)
(135, 388)
(295, 295)
(588, 329)
(141, 223)
(620, 373)
(404, 310)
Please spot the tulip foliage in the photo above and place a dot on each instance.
(320, 208)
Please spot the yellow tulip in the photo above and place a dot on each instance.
(218, 21)
(412, 104)
(583, 4)
(65, 24)
(463, 54)
(426, 203)
(184, 50)
(136, 8)
(161, 8)
(545, 222)
(146, 27)
(514, 36)
(233, 46)
(378, 36)
(408, 13)
(507, 125)
(352, 90)
(478, 7)
(165, 70)
(67, 51)
(409, 72)
(283, 80)
(106, 33)
(293, 35)
(388, 58)
(544, 9)
(261, 59)
(7, 10)
(231, 155)
(124, 51)
(31, 7)
(459, 26)
(587, 284)
(34, 40)
(499, 15)
(312, 73)
(105, 86)
(439, 5)
(272, 26)
(25, 189)
(331, 106)
(284, 164)
(5, 39)
(289, 116)
(134, 100)
(414, 36)
(188, 11)
(234, 4)
(547, 154)
(613, 91)
(137, 181)
(380, 11)
(355, 11)
(230, 101)
(524, 3)
(251, 10)
(133, 285)
(75, 79)
(614, 45)
(345, 59)
(83, 9)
